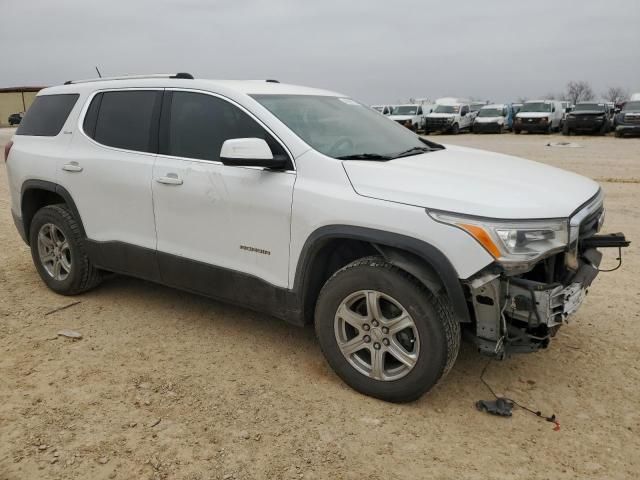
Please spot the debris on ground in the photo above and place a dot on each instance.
(70, 334)
(64, 307)
(500, 406)
(564, 145)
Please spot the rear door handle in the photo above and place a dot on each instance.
(170, 179)
(72, 167)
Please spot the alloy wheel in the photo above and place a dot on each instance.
(54, 251)
(377, 335)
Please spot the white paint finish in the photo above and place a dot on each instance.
(246, 148)
(474, 182)
(205, 211)
(555, 116)
(112, 192)
(323, 196)
(218, 208)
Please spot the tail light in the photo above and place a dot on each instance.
(7, 149)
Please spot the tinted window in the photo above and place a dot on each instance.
(47, 115)
(127, 119)
(199, 124)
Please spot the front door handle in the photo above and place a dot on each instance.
(72, 167)
(170, 179)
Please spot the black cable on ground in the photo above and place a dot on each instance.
(537, 413)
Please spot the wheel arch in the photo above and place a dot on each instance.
(36, 194)
(420, 259)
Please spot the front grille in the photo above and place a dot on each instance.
(591, 223)
(632, 118)
(531, 121)
(437, 122)
(587, 118)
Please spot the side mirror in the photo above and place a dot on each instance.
(249, 152)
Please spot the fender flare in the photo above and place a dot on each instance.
(50, 187)
(434, 270)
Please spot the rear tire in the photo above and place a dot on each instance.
(372, 294)
(58, 252)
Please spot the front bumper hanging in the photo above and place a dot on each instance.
(518, 315)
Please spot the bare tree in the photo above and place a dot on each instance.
(616, 94)
(579, 91)
(522, 99)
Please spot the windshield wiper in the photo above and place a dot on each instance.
(412, 151)
(365, 156)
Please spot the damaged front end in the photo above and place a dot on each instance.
(519, 307)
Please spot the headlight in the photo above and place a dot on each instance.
(512, 243)
(544, 119)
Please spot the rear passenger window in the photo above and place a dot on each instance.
(126, 119)
(199, 124)
(47, 115)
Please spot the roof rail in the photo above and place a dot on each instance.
(183, 75)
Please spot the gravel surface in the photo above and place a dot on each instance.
(168, 385)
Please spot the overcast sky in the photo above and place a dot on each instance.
(376, 51)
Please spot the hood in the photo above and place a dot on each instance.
(473, 182)
(401, 117)
(441, 115)
(489, 119)
(586, 112)
(533, 114)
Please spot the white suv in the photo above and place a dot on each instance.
(309, 206)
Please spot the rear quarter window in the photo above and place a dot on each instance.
(47, 115)
(125, 119)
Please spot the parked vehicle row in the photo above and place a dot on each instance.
(454, 115)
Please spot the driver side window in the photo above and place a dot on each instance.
(198, 125)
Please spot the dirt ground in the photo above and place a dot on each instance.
(165, 384)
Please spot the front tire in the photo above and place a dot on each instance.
(383, 332)
(455, 129)
(57, 250)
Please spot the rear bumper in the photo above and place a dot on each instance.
(20, 227)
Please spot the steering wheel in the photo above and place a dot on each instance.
(341, 143)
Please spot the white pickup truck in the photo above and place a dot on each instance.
(450, 117)
(409, 115)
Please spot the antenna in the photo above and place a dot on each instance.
(99, 74)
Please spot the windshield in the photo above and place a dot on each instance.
(536, 107)
(404, 110)
(631, 107)
(589, 106)
(491, 112)
(447, 109)
(341, 127)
